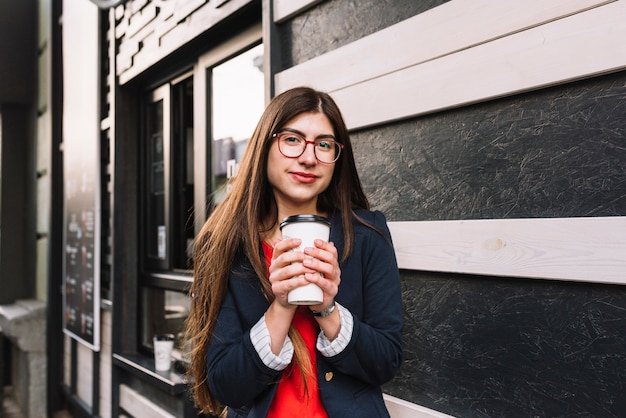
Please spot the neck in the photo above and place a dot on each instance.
(284, 212)
(272, 235)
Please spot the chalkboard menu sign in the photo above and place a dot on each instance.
(81, 172)
(81, 288)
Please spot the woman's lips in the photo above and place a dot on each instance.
(304, 177)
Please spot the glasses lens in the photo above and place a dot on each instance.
(292, 145)
(326, 150)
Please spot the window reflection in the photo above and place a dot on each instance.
(237, 102)
(182, 174)
(164, 313)
(156, 214)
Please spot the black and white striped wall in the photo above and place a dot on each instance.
(492, 134)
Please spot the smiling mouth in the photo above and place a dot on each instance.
(310, 175)
(304, 177)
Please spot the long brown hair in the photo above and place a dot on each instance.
(237, 224)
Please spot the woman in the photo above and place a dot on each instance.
(253, 352)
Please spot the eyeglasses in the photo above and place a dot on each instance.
(292, 145)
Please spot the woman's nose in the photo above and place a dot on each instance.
(308, 156)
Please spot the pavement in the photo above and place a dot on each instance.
(10, 408)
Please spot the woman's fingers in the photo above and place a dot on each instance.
(291, 269)
(323, 259)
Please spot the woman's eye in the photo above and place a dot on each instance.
(324, 145)
(292, 139)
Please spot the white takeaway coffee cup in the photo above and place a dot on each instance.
(163, 346)
(308, 228)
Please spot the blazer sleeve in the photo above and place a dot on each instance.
(236, 373)
(370, 288)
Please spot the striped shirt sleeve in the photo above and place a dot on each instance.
(261, 340)
(331, 348)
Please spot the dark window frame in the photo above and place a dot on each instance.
(183, 192)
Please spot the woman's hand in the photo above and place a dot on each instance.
(286, 273)
(291, 269)
(287, 270)
(326, 273)
(323, 259)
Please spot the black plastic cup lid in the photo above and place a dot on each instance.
(304, 218)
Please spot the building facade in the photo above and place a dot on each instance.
(490, 133)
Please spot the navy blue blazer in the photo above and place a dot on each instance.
(350, 381)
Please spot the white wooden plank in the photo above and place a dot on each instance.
(106, 326)
(139, 406)
(67, 360)
(184, 9)
(85, 376)
(141, 19)
(380, 79)
(106, 367)
(202, 18)
(579, 46)
(425, 37)
(285, 9)
(106, 406)
(583, 249)
(399, 408)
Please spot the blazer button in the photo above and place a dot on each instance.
(329, 376)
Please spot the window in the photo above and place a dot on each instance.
(169, 222)
(195, 130)
(237, 104)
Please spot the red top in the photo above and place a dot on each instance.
(290, 398)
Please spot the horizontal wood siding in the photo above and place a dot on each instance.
(507, 218)
(506, 47)
(106, 369)
(399, 408)
(139, 406)
(150, 31)
(490, 133)
(285, 9)
(585, 249)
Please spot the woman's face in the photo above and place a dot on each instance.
(297, 182)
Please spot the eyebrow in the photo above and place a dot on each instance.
(302, 134)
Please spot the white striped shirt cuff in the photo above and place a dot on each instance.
(261, 340)
(332, 348)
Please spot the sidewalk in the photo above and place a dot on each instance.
(10, 408)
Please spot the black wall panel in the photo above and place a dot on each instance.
(495, 346)
(332, 24)
(558, 152)
(506, 347)
(490, 347)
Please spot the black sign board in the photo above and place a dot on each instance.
(81, 288)
(81, 172)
